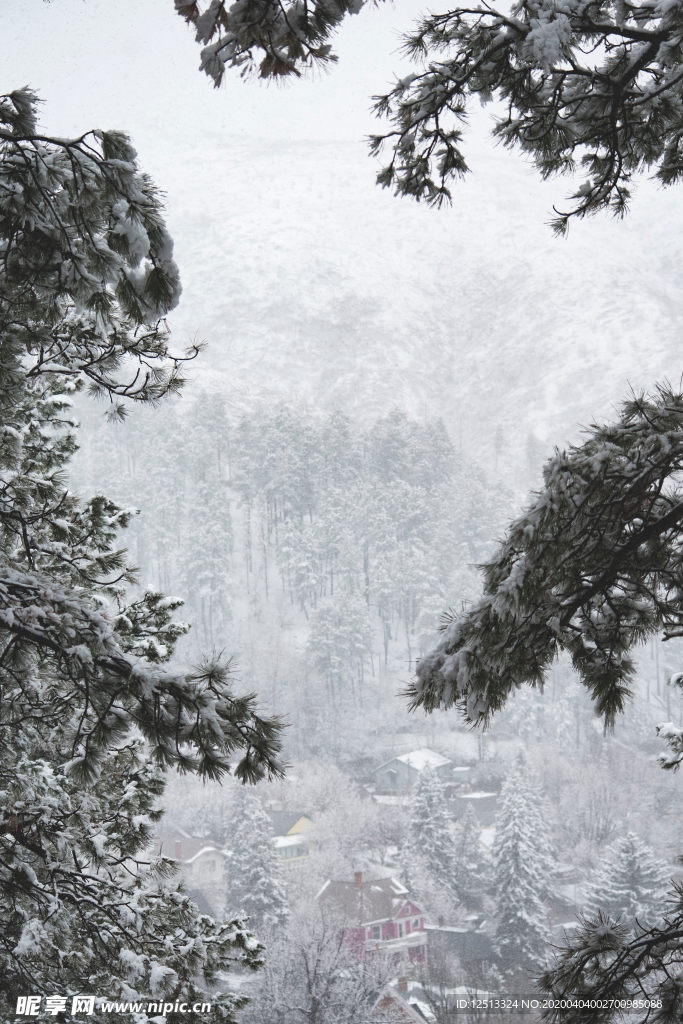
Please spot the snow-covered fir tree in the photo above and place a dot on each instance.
(91, 709)
(471, 867)
(339, 641)
(254, 885)
(630, 883)
(522, 872)
(427, 855)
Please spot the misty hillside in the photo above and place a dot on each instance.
(311, 284)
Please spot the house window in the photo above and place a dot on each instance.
(289, 852)
(400, 931)
(416, 924)
(376, 934)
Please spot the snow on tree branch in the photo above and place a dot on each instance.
(270, 37)
(604, 963)
(595, 86)
(78, 221)
(593, 567)
(91, 710)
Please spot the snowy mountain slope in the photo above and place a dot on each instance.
(312, 285)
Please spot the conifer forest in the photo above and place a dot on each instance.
(341, 526)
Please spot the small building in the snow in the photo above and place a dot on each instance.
(484, 805)
(400, 773)
(378, 916)
(402, 1002)
(471, 945)
(201, 864)
(292, 834)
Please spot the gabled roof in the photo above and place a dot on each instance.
(379, 899)
(191, 847)
(287, 823)
(203, 849)
(201, 903)
(419, 759)
(409, 1007)
(280, 842)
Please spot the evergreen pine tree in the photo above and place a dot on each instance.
(91, 708)
(561, 109)
(253, 869)
(205, 561)
(428, 851)
(471, 868)
(522, 871)
(630, 883)
(339, 641)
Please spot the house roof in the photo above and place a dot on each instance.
(281, 841)
(419, 759)
(375, 900)
(290, 822)
(407, 1007)
(391, 799)
(203, 849)
(201, 903)
(189, 847)
(468, 945)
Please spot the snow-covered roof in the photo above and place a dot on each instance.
(296, 840)
(411, 1004)
(389, 798)
(199, 853)
(380, 899)
(419, 759)
(181, 847)
(476, 796)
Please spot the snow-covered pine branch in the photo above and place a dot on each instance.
(593, 568)
(266, 37)
(594, 86)
(91, 710)
(590, 86)
(606, 963)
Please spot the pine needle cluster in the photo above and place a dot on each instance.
(91, 709)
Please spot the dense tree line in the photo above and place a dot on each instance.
(345, 523)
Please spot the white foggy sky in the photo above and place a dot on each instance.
(133, 63)
(311, 283)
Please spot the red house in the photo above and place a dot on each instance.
(379, 916)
